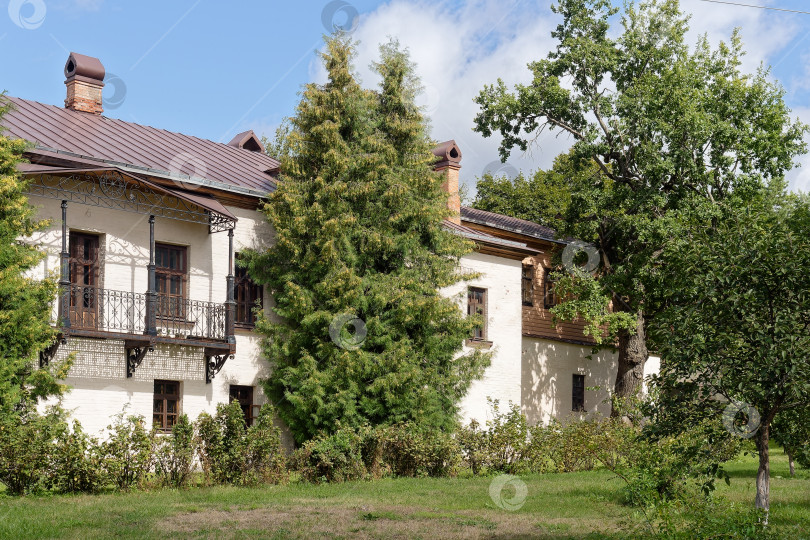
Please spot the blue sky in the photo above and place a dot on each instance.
(212, 69)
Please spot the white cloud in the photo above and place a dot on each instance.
(460, 48)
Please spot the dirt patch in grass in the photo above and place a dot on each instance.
(362, 522)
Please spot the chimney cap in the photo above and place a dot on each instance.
(85, 68)
(448, 154)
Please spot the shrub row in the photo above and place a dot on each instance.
(43, 451)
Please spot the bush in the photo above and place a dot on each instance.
(26, 446)
(231, 454)
(265, 457)
(568, 446)
(127, 452)
(221, 444)
(76, 461)
(502, 447)
(174, 454)
(332, 458)
(410, 451)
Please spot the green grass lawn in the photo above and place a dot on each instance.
(572, 505)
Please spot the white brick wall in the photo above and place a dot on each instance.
(100, 388)
(501, 278)
(535, 373)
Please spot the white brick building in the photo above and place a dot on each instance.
(145, 221)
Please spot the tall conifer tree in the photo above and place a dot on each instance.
(24, 301)
(360, 245)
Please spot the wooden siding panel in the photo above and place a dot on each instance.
(537, 321)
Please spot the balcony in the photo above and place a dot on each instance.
(95, 312)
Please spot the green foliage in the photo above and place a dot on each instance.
(735, 322)
(411, 450)
(127, 452)
(75, 461)
(336, 457)
(264, 460)
(358, 220)
(26, 447)
(230, 453)
(543, 197)
(568, 446)
(24, 301)
(174, 454)
(221, 443)
(791, 429)
(405, 450)
(673, 131)
(503, 447)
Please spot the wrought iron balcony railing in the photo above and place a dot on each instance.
(91, 309)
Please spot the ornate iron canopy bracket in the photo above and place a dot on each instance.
(47, 355)
(213, 364)
(135, 353)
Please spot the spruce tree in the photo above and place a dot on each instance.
(24, 301)
(360, 245)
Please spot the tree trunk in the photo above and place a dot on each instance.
(764, 473)
(791, 463)
(632, 356)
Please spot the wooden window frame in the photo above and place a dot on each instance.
(472, 310)
(549, 298)
(249, 408)
(165, 309)
(527, 285)
(165, 398)
(578, 393)
(248, 295)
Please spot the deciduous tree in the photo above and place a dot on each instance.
(671, 130)
(734, 325)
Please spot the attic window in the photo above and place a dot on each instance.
(247, 140)
(253, 145)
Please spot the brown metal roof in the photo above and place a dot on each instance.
(480, 236)
(117, 142)
(506, 223)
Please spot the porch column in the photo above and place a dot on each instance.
(64, 279)
(151, 292)
(230, 303)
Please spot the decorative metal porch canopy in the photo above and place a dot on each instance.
(109, 187)
(113, 188)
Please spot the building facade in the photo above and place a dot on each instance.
(146, 225)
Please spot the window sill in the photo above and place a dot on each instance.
(244, 326)
(478, 343)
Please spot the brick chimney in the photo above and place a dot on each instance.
(449, 162)
(85, 79)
